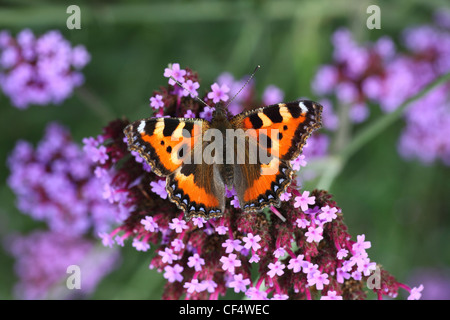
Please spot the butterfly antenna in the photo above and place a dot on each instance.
(192, 94)
(245, 84)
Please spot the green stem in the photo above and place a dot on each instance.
(338, 161)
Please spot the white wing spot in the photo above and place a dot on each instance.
(303, 107)
(141, 127)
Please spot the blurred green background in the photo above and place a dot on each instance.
(402, 207)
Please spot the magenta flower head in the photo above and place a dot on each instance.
(39, 70)
(304, 251)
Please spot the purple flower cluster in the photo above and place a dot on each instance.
(425, 136)
(54, 183)
(378, 73)
(303, 251)
(43, 258)
(39, 70)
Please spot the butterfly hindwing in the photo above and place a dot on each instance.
(280, 130)
(198, 190)
(257, 188)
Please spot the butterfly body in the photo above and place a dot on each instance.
(250, 152)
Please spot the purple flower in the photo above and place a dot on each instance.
(342, 253)
(177, 245)
(222, 230)
(194, 286)
(196, 262)
(302, 223)
(55, 183)
(342, 275)
(325, 79)
(40, 70)
(149, 224)
(251, 241)
(331, 295)
(99, 155)
(304, 200)
(296, 264)
(346, 92)
(279, 252)
(207, 113)
(330, 119)
(231, 245)
(356, 275)
(50, 254)
(173, 274)
(255, 294)
(276, 269)
(361, 245)
(219, 93)
(254, 258)
(298, 162)
(314, 234)
(156, 102)
(80, 57)
(318, 279)
(239, 283)
(119, 240)
(359, 112)
(235, 202)
(107, 239)
(191, 88)
(189, 114)
(416, 293)
(140, 245)
(199, 222)
(327, 213)
(159, 187)
(285, 196)
(175, 72)
(230, 263)
(167, 255)
(365, 266)
(209, 285)
(272, 95)
(178, 225)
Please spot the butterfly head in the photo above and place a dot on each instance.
(220, 112)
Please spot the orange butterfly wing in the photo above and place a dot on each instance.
(281, 130)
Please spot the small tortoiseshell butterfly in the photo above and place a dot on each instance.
(198, 187)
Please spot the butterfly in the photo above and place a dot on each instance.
(197, 172)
